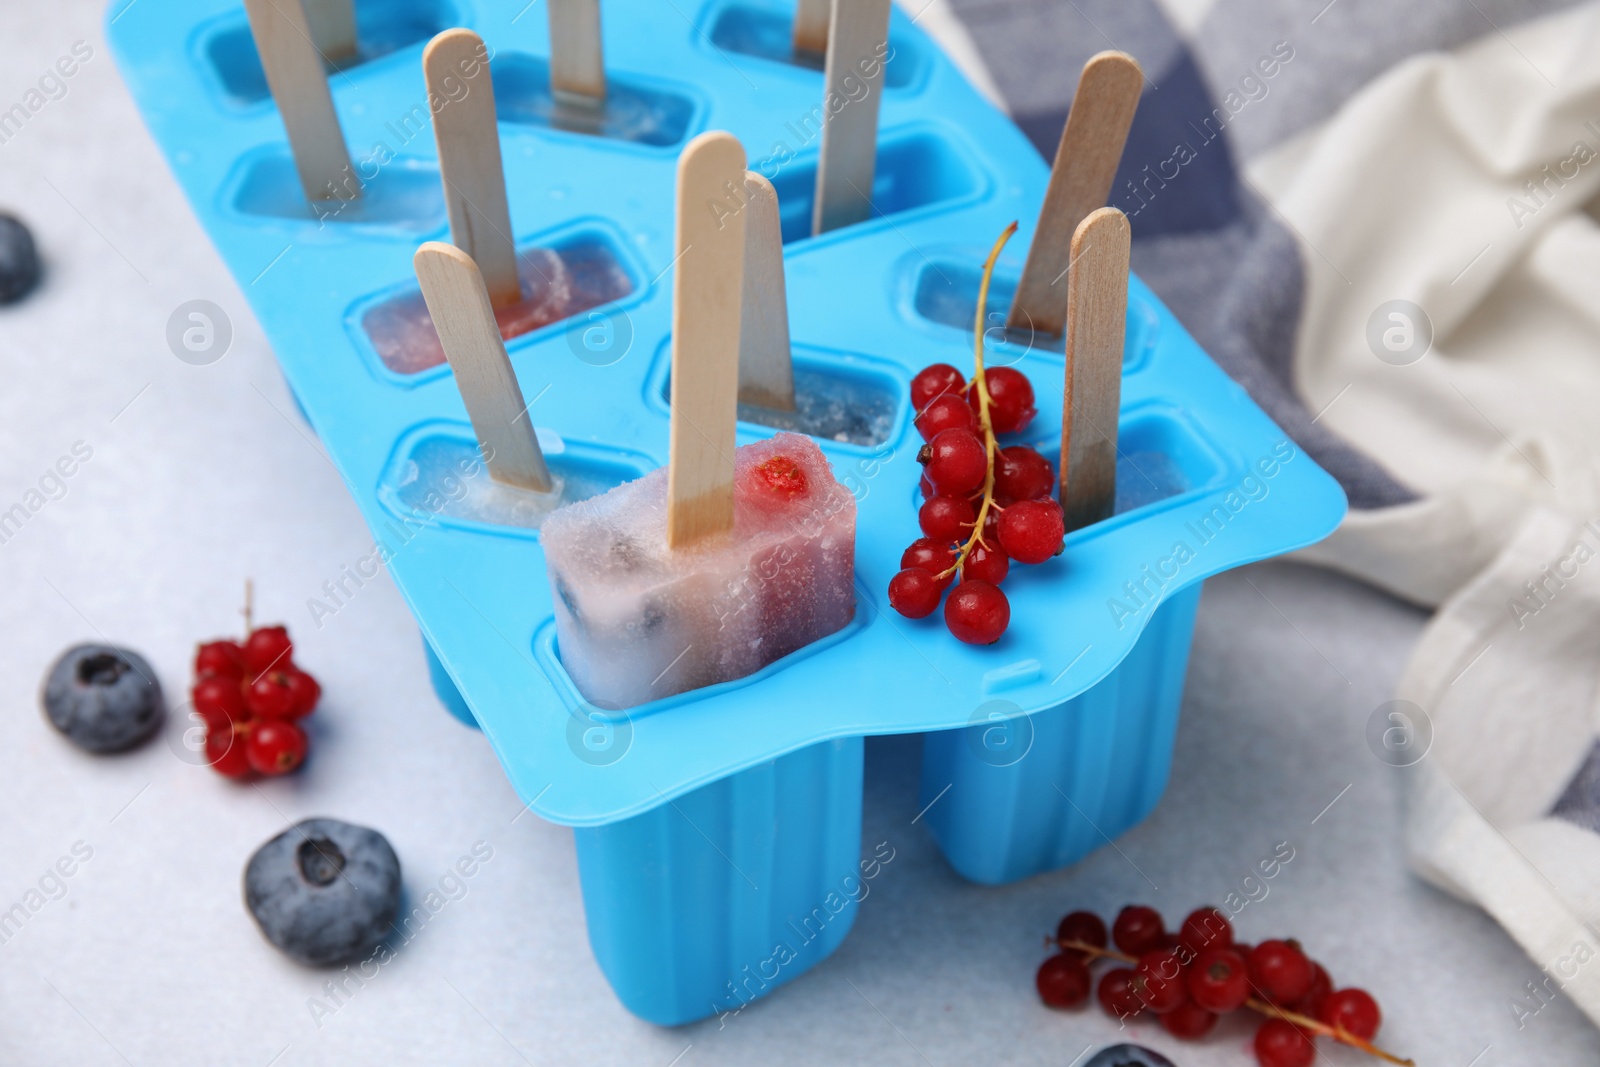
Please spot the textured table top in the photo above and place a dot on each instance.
(201, 476)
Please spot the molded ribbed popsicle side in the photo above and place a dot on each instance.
(1035, 793)
(714, 899)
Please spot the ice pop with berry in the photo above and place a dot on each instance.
(729, 558)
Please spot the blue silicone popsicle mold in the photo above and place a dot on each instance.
(718, 831)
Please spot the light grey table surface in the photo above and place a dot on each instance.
(201, 476)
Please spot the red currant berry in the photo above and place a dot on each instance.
(782, 476)
(1281, 971)
(305, 691)
(935, 557)
(915, 593)
(275, 747)
(267, 648)
(1353, 1011)
(222, 659)
(1138, 930)
(1188, 1021)
(1206, 928)
(1321, 986)
(1117, 994)
(270, 696)
(985, 564)
(1160, 973)
(928, 491)
(1063, 981)
(944, 413)
(956, 461)
(1022, 474)
(225, 751)
(1010, 399)
(977, 613)
(1082, 926)
(219, 701)
(1031, 531)
(1279, 1044)
(1219, 981)
(947, 518)
(935, 380)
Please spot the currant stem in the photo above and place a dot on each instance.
(980, 379)
(1304, 1022)
(249, 606)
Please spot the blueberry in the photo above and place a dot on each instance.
(19, 260)
(104, 699)
(1128, 1056)
(325, 892)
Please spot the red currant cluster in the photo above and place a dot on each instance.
(249, 696)
(1190, 978)
(984, 506)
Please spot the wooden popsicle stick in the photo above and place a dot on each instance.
(706, 299)
(577, 62)
(811, 26)
(300, 86)
(459, 306)
(333, 28)
(1080, 181)
(858, 37)
(766, 375)
(1097, 313)
(469, 159)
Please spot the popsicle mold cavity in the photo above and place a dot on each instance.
(402, 194)
(573, 276)
(946, 292)
(914, 170)
(631, 112)
(1160, 456)
(769, 34)
(442, 476)
(1144, 478)
(636, 622)
(382, 27)
(843, 405)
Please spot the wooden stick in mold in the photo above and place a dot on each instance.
(766, 375)
(706, 301)
(811, 26)
(577, 63)
(333, 28)
(1080, 181)
(469, 159)
(300, 86)
(858, 39)
(461, 312)
(1097, 310)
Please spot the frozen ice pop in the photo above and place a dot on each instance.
(730, 558)
(1097, 320)
(527, 290)
(299, 85)
(577, 64)
(557, 283)
(637, 621)
(1080, 182)
(858, 42)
